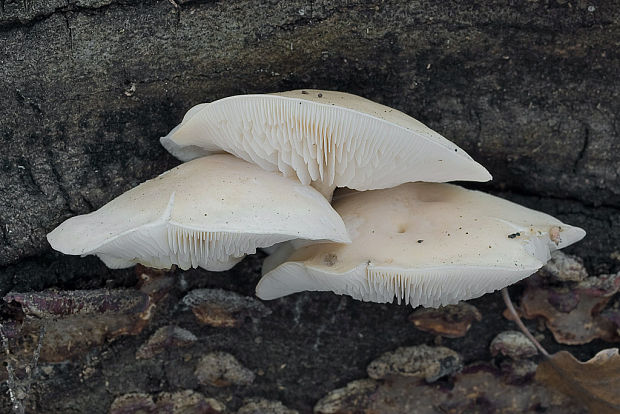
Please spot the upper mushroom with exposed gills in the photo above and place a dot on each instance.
(209, 212)
(422, 243)
(327, 139)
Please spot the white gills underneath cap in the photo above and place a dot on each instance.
(325, 138)
(209, 212)
(423, 244)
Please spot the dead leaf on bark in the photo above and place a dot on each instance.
(513, 344)
(613, 315)
(168, 336)
(564, 267)
(180, 402)
(477, 390)
(52, 304)
(222, 308)
(263, 406)
(595, 383)
(452, 321)
(574, 314)
(76, 321)
(422, 361)
(220, 369)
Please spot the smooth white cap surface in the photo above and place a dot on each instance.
(325, 138)
(422, 243)
(209, 212)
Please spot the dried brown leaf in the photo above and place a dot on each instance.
(220, 369)
(594, 383)
(168, 336)
(513, 344)
(77, 321)
(223, 308)
(477, 390)
(573, 314)
(452, 321)
(179, 402)
(422, 361)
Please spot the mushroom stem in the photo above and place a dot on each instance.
(520, 324)
(326, 189)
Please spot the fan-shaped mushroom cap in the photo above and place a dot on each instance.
(423, 243)
(209, 212)
(327, 139)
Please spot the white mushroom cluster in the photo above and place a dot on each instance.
(262, 170)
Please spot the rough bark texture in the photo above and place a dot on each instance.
(529, 89)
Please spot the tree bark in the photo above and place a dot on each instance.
(530, 90)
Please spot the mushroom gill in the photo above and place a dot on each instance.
(324, 138)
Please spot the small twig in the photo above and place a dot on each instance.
(520, 324)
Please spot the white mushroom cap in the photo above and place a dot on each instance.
(209, 212)
(327, 139)
(422, 243)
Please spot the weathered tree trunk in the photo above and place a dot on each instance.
(530, 90)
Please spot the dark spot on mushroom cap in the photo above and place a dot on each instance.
(320, 95)
(330, 259)
(304, 93)
(420, 241)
